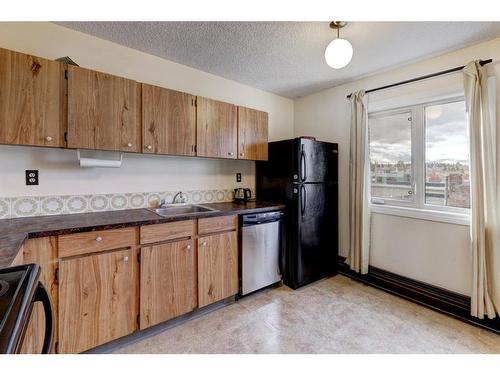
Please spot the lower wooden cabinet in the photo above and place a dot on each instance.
(98, 299)
(106, 294)
(217, 267)
(168, 281)
(42, 251)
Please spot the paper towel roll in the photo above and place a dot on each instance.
(96, 159)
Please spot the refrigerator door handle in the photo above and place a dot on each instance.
(303, 197)
(303, 170)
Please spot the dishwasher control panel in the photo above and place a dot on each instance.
(264, 217)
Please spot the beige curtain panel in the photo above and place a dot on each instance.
(359, 219)
(485, 299)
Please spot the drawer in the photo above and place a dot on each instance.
(91, 242)
(167, 231)
(217, 224)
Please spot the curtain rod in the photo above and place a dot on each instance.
(481, 62)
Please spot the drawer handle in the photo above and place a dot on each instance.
(188, 247)
(98, 239)
(48, 138)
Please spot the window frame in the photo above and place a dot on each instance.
(392, 112)
(418, 207)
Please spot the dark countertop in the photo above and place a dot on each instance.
(13, 232)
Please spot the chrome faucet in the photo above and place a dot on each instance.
(180, 197)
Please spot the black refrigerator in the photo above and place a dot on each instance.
(303, 174)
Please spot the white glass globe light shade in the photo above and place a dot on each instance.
(338, 53)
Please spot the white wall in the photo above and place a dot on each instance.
(59, 173)
(426, 251)
(432, 252)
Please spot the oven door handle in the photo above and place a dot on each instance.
(42, 296)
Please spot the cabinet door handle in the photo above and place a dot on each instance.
(230, 153)
(204, 243)
(242, 154)
(188, 247)
(149, 147)
(125, 259)
(48, 138)
(129, 144)
(98, 238)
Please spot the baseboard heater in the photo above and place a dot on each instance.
(445, 301)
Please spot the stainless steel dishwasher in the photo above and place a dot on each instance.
(260, 250)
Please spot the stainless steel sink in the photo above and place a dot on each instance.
(175, 209)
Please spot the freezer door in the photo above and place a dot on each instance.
(274, 177)
(317, 161)
(317, 240)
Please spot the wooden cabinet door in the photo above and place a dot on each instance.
(252, 134)
(168, 282)
(103, 111)
(217, 267)
(216, 127)
(32, 100)
(168, 121)
(98, 299)
(42, 251)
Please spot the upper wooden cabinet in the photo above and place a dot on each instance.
(32, 100)
(168, 121)
(252, 134)
(103, 111)
(41, 100)
(216, 129)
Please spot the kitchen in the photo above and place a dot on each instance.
(155, 197)
(171, 234)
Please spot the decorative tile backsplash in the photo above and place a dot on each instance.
(73, 204)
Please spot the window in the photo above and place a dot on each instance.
(447, 155)
(390, 157)
(419, 157)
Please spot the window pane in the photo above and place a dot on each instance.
(447, 181)
(390, 157)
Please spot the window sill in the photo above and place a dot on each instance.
(422, 214)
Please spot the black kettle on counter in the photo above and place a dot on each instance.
(242, 194)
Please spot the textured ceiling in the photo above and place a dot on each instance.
(287, 58)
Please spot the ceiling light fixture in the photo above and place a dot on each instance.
(339, 52)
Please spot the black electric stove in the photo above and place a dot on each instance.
(19, 290)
